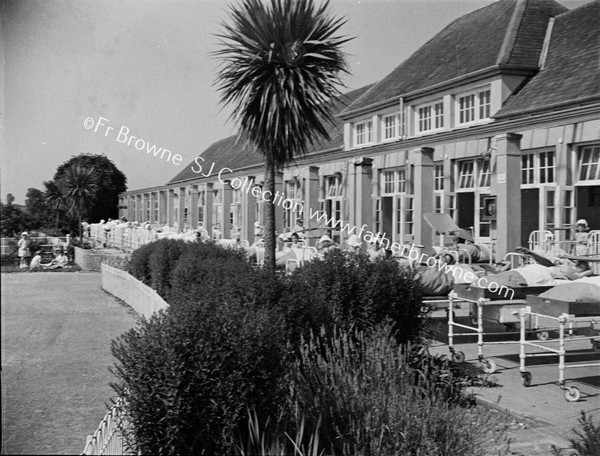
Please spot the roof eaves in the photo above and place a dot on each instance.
(346, 114)
(523, 112)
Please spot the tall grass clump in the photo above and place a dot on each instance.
(362, 389)
(586, 441)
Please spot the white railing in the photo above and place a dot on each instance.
(143, 299)
(109, 438)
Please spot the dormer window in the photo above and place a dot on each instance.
(473, 107)
(363, 133)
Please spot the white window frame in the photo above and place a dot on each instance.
(478, 108)
(537, 168)
(390, 132)
(591, 178)
(429, 117)
(363, 133)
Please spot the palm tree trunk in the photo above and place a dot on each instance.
(270, 241)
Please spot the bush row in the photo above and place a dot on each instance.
(236, 349)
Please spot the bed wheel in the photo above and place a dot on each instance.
(510, 327)
(489, 366)
(474, 321)
(458, 357)
(596, 346)
(543, 335)
(572, 394)
(526, 378)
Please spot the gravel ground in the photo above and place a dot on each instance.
(56, 333)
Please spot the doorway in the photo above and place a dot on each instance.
(530, 214)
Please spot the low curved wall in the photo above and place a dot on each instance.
(143, 299)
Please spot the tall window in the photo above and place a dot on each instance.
(439, 115)
(527, 169)
(293, 193)
(332, 202)
(466, 174)
(484, 173)
(363, 133)
(466, 109)
(484, 104)
(389, 127)
(474, 107)
(430, 117)
(547, 167)
(439, 177)
(589, 163)
(438, 187)
(389, 181)
(425, 118)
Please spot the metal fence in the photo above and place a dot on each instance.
(109, 438)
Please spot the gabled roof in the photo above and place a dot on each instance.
(236, 154)
(506, 33)
(571, 71)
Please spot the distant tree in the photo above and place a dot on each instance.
(110, 181)
(12, 219)
(55, 201)
(35, 206)
(9, 198)
(281, 64)
(81, 189)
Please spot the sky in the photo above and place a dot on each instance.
(85, 76)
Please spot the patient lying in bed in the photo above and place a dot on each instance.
(533, 275)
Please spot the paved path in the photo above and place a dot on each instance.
(547, 417)
(56, 334)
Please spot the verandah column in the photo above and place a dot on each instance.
(423, 197)
(181, 210)
(248, 210)
(227, 200)
(194, 207)
(208, 209)
(363, 201)
(506, 184)
(311, 202)
(162, 207)
(170, 208)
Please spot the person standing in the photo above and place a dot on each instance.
(23, 245)
(581, 235)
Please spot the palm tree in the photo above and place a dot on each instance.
(281, 64)
(54, 199)
(80, 189)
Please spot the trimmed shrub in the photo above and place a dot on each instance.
(139, 263)
(162, 261)
(188, 379)
(348, 290)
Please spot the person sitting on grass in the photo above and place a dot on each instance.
(36, 261)
(60, 260)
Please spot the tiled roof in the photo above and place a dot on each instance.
(234, 154)
(471, 43)
(571, 70)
